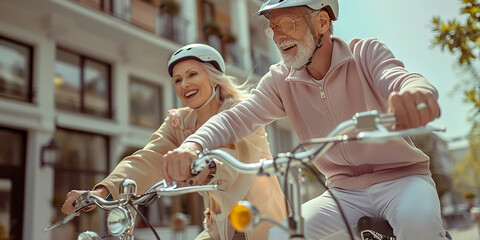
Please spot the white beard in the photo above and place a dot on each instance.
(305, 50)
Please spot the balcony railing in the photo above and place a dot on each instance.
(172, 27)
(144, 15)
(231, 53)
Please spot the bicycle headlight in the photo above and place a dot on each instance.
(244, 216)
(118, 221)
(88, 235)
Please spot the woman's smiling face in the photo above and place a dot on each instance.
(192, 84)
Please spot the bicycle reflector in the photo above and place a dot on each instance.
(244, 216)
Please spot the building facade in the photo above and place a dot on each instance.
(91, 75)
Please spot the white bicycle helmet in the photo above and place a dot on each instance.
(199, 52)
(330, 5)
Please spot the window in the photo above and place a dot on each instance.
(82, 84)
(15, 70)
(82, 162)
(208, 11)
(12, 149)
(103, 5)
(279, 137)
(284, 140)
(145, 104)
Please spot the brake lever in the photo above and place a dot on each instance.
(81, 203)
(69, 217)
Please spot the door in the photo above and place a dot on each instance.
(12, 175)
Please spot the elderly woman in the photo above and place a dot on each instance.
(198, 74)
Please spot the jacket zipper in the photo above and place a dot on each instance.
(341, 149)
(322, 93)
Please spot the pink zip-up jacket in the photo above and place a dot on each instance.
(360, 78)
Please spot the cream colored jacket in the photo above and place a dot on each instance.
(144, 166)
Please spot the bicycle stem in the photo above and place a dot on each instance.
(295, 196)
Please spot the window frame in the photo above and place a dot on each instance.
(109, 84)
(159, 87)
(30, 90)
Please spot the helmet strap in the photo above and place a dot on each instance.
(209, 99)
(319, 42)
(309, 61)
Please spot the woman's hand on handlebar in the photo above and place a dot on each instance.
(68, 207)
(413, 109)
(176, 164)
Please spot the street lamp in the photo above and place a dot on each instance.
(48, 153)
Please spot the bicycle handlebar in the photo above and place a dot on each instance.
(371, 127)
(85, 200)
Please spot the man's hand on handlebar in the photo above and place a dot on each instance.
(413, 109)
(68, 207)
(176, 163)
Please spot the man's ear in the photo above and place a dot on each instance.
(321, 22)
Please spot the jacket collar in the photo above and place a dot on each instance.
(340, 54)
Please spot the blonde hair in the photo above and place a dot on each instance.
(226, 85)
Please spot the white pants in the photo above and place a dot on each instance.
(410, 205)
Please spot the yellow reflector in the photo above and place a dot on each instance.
(240, 217)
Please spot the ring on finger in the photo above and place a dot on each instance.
(421, 106)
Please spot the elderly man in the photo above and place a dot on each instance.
(321, 82)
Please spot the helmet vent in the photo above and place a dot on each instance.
(177, 52)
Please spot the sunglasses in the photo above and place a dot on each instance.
(286, 25)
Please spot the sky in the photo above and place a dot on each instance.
(406, 27)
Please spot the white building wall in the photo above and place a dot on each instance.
(36, 119)
(46, 24)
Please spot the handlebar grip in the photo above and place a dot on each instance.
(199, 164)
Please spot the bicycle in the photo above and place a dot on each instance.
(122, 213)
(370, 126)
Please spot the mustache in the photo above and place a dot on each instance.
(286, 43)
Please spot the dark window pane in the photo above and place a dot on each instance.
(145, 104)
(15, 70)
(81, 151)
(67, 81)
(82, 162)
(284, 140)
(208, 12)
(96, 88)
(11, 143)
(65, 181)
(5, 207)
